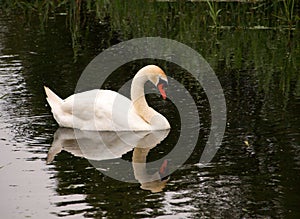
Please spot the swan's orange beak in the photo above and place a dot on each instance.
(162, 91)
(161, 85)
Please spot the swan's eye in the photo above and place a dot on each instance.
(162, 82)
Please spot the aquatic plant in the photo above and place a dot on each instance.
(187, 22)
(214, 12)
(288, 13)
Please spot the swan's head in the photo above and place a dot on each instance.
(158, 77)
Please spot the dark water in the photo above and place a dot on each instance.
(255, 173)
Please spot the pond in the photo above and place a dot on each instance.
(255, 172)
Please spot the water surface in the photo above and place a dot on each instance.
(255, 173)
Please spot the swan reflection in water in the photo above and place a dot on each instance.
(106, 145)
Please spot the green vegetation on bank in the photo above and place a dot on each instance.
(230, 35)
(268, 13)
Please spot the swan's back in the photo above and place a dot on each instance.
(97, 110)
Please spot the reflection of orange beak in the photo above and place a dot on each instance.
(162, 91)
(163, 170)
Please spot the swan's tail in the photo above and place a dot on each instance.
(53, 100)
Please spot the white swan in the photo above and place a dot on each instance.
(106, 110)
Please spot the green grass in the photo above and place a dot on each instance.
(233, 13)
(214, 12)
(287, 12)
(191, 23)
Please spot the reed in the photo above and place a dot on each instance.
(121, 13)
(214, 12)
(187, 22)
(288, 13)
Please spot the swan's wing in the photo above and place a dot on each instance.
(83, 105)
(102, 110)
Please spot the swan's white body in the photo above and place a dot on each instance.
(106, 110)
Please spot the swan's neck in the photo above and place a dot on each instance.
(138, 96)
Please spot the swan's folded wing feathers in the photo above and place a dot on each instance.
(100, 110)
(81, 105)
